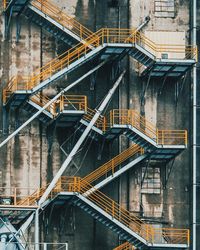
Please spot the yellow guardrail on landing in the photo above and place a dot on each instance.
(65, 102)
(133, 118)
(109, 206)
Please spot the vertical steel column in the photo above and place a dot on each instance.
(194, 188)
(81, 140)
(37, 234)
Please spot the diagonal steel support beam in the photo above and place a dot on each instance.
(22, 229)
(81, 139)
(50, 102)
(12, 230)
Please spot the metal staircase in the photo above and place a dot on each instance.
(14, 6)
(104, 45)
(55, 21)
(65, 111)
(50, 17)
(160, 144)
(107, 44)
(116, 166)
(112, 215)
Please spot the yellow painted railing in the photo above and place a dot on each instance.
(59, 16)
(95, 40)
(133, 118)
(65, 102)
(78, 185)
(110, 167)
(5, 3)
(13, 196)
(100, 123)
(125, 246)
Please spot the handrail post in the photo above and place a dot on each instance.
(107, 35)
(85, 108)
(113, 167)
(15, 196)
(188, 237)
(113, 209)
(157, 138)
(104, 124)
(152, 234)
(162, 136)
(186, 138)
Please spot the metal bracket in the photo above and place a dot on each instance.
(167, 172)
(165, 78)
(179, 87)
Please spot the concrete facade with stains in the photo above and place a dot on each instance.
(34, 156)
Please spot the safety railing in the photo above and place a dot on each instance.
(100, 37)
(111, 166)
(65, 102)
(100, 123)
(95, 40)
(13, 196)
(109, 206)
(54, 66)
(73, 102)
(41, 100)
(171, 236)
(62, 18)
(16, 83)
(125, 246)
(174, 51)
(148, 232)
(134, 119)
(172, 137)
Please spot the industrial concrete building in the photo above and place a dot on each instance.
(99, 124)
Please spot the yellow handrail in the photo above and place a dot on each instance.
(59, 16)
(133, 118)
(65, 102)
(78, 185)
(95, 40)
(110, 166)
(125, 246)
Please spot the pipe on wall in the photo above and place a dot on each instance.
(194, 186)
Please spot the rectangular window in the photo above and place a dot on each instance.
(152, 182)
(164, 8)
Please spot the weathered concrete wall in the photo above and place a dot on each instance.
(32, 158)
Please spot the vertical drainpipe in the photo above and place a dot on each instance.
(194, 191)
